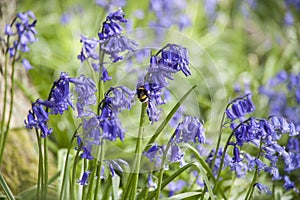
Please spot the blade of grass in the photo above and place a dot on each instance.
(5, 188)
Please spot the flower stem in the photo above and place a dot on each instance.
(46, 167)
(73, 175)
(40, 168)
(138, 149)
(251, 188)
(98, 171)
(66, 165)
(219, 140)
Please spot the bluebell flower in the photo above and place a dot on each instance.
(263, 188)
(168, 14)
(190, 130)
(8, 30)
(288, 184)
(25, 31)
(116, 44)
(176, 186)
(110, 38)
(239, 107)
(175, 57)
(177, 116)
(272, 170)
(151, 153)
(26, 64)
(293, 3)
(176, 155)
(288, 19)
(59, 97)
(105, 77)
(91, 129)
(38, 118)
(167, 61)
(153, 112)
(85, 90)
(155, 154)
(115, 100)
(84, 179)
(210, 8)
(219, 153)
(150, 183)
(157, 74)
(107, 4)
(236, 155)
(21, 32)
(115, 164)
(86, 147)
(89, 49)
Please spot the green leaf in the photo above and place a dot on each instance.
(184, 195)
(171, 178)
(167, 119)
(5, 188)
(107, 189)
(207, 169)
(115, 186)
(30, 193)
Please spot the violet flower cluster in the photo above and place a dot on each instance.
(20, 33)
(111, 43)
(167, 61)
(189, 130)
(168, 14)
(58, 101)
(265, 134)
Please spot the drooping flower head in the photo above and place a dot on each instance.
(239, 107)
(85, 89)
(111, 39)
(168, 14)
(115, 100)
(38, 118)
(167, 61)
(190, 130)
(21, 32)
(84, 179)
(59, 97)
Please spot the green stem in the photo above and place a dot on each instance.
(4, 133)
(251, 188)
(4, 107)
(98, 171)
(138, 149)
(40, 168)
(160, 177)
(84, 189)
(73, 175)
(66, 164)
(219, 140)
(6, 189)
(46, 167)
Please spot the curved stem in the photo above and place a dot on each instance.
(225, 149)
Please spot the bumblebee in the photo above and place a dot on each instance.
(142, 94)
